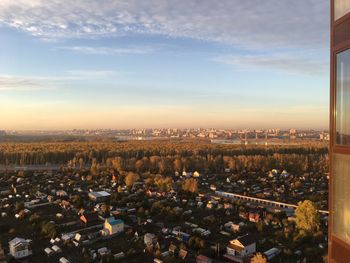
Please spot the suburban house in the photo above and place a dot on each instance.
(150, 239)
(61, 193)
(196, 174)
(186, 174)
(242, 246)
(112, 226)
(254, 217)
(99, 197)
(20, 248)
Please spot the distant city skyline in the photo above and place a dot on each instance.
(186, 64)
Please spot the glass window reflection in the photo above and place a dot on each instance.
(341, 197)
(343, 98)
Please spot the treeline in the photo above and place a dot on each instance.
(168, 156)
(295, 163)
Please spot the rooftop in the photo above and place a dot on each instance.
(115, 221)
(100, 194)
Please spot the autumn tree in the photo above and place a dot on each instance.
(109, 162)
(154, 163)
(105, 210)
(164, 184)
(258, 258)
(139, 166)
(177, 165)
(149, 181)
(131, 178)
(81, 163)
(93, 168)
(190, 185)
(307, 217)
(118, 164)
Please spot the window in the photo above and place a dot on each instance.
(343, 98)
(341, 197)
(341, 8)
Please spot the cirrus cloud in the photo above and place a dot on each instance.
(252, 23)
(107, 50)
(37, 83)
(283, 62)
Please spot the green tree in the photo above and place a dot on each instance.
(77, 202)
(49, 230)
(19, 206)
(34, 219)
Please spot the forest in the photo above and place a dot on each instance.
(168, 156)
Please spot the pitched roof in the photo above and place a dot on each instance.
(235, 247)
(115, 222)
(246, 240)
(183, 253)
(16, 241)
(100, 194)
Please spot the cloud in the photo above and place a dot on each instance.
(86, 74)
(37, 83)
(21, 83)
(253, 23)
(108, 51)
(283, 62)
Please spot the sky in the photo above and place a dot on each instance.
(164, 63)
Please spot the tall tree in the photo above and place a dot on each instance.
(131, 178)
(307, 217)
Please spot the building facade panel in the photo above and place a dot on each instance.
(342, 110)
(339, 185)
(341, 8)
(341, 194)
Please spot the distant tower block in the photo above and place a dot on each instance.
(266, 137)
(256, 138)
(245, 138)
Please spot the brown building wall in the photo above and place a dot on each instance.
(339, 251)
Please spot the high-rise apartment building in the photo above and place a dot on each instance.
(339, 187)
